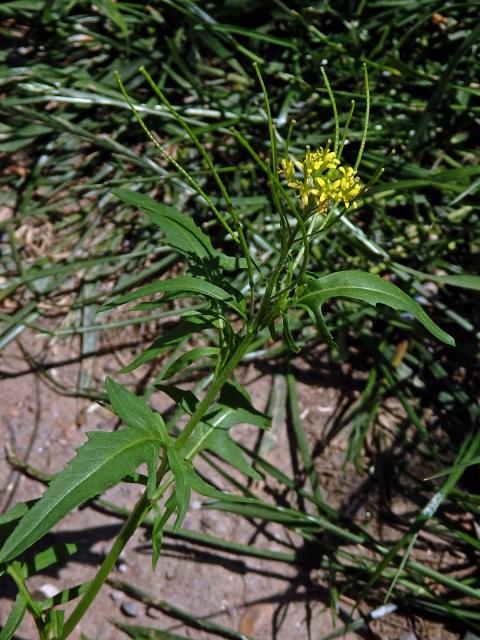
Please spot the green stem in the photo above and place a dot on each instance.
(345, 129)
(216, 386)
(334, 109)
(191, 180)
(240, 237)
(15, 572)
(130, 525)
(142, 507)
(365, 124)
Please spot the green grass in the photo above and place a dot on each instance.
(68, 138)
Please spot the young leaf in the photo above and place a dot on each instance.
(188, 358)
(186, 327)
(101, 462)
(213, 435)
(159, 521)
(287, 334)
(187, 400)
(134, 411)
(203, 488)
(220, 442)
(368, 288)
(178, 467)
(234, 406)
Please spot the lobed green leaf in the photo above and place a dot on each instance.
(101, 462)
(134, 411)
(219, 442)
(234, 406)
(366, 287)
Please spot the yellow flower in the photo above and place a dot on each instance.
(325, 183)
(288, 170)
(304, 190)
(347, 187)
(317, 162)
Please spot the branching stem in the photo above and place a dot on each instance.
(143, 505)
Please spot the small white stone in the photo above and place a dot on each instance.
(47, 590)
(130, 609)
(93, 407)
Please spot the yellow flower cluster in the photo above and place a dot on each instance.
(325, 182)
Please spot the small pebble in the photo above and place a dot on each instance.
(122, 567)
(129, 609)
(116, 596)
(47, 590)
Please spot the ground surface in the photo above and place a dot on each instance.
(260, 598)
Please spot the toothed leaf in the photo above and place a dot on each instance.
(365, 287)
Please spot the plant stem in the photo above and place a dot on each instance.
(232, 362)
(130, 525)
(240, 237)
(143, 505)
(15, 572)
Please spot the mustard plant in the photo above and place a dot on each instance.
(309, 195)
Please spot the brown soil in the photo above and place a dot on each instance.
(260, 598)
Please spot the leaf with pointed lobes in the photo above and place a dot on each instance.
(104, 460)
(365, 287)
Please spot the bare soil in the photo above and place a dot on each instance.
(42, 424)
